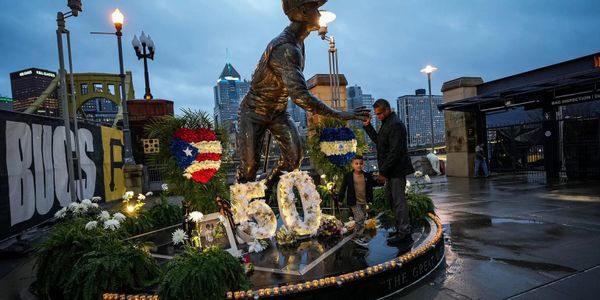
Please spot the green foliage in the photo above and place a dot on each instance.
(165, 214)
(55, 257)
(202, 275)
(318, 159)
(419, 206)
(158, 216)
(198, 196)
(114, 266)
(138, 224)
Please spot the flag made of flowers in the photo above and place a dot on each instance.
(338, 145)
(197, 152)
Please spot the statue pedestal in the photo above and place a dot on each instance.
(134, 178)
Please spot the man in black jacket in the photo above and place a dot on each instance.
(394, 164)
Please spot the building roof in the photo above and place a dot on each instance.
(580, 75)
(229, 73)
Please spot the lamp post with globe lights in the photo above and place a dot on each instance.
(144, 49)
(334, 79)
(118, 18)
(428, 70)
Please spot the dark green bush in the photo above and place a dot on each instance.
(58, 255)
(115, 266)
(419, 206)
(202, 275)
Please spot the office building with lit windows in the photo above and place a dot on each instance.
(413, 110)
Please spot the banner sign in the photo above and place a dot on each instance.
(34, 179)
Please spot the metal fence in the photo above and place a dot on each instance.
(519, 148)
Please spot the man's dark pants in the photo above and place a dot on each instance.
(395, 194)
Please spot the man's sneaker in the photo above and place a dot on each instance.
(361, 242)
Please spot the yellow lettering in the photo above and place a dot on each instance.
(114, 180)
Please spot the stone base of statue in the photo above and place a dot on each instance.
(334, 267)
(338, 268)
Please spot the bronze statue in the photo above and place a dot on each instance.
(278, 76)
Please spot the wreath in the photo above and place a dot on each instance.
(197, 152)
(338, 145)
(310, 203)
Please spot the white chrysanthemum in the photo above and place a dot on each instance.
(95, 205)
(104, 215)
(196, 216)
(407, 187)
(119, 217)
(112, 224)
(86, 202)
(255, 246)
(179, 236)
(141, 197)
(418, 173)
(80, 209)
(91, 225)
(128, 195)
(73, 206)
(96, 199)
(165, 187)
(148, 194)
(61, 213)
(426, 178)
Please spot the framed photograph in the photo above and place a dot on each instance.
(215, 232)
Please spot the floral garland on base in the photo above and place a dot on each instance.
(310, 203)
(330, 226)
(197, 152)
(338, 145)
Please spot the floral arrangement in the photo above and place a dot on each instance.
(330, 226)
(310, 203)
(371, 224)
(338, 145)
(197, 152)
(86, 207)
(255, 218)
(350, 225)
(285, 237)
(257, 246)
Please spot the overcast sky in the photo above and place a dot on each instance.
(382, 43)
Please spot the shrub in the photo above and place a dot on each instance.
(419, 206)
(202, 275)
(115, 266)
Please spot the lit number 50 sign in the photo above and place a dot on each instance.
(257, 218)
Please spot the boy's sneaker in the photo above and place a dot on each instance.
(361, 242)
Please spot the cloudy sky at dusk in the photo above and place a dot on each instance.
(382, 43)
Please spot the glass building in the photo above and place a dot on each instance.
(229, 92)
(413, 110)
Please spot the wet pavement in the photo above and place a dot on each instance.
(506, 237)
(515, 237)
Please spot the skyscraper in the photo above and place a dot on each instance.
(229, 92)
(298, 114)
(413, 110)
(27, 85)
(356, 98)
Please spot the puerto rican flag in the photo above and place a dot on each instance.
(197, 152)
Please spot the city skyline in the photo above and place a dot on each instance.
(491, 40)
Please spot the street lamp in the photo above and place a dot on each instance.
(334, 78)
(144, 48)
(76, 8)
(428, 70)
(117, 18)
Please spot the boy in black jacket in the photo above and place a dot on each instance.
(357, 189)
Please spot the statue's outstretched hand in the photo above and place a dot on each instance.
(359, 113)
